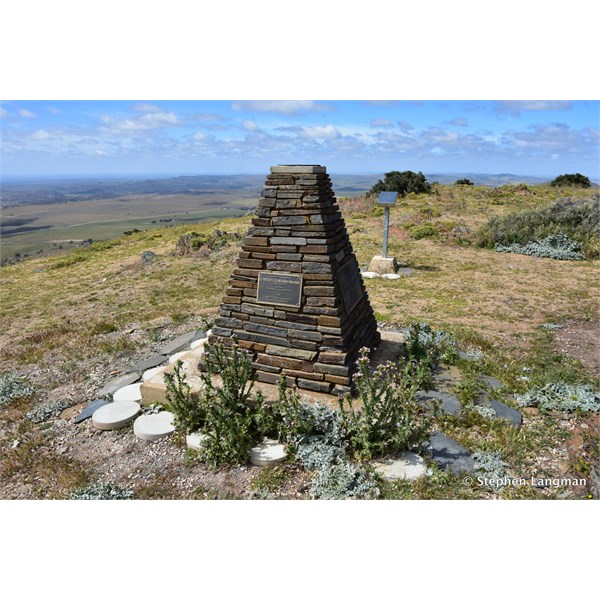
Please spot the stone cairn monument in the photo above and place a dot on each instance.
(296, 302)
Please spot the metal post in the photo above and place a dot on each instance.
(386, 225)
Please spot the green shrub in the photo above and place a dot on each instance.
(102, 491)
(389, 418)
(402, 182)
(189, 413)
(464, 181)
(579, 220)
(576, 179)
(48, 410)
(426, 230)
(426, 345)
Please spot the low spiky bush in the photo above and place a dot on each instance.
(13, 387)
(559, 247)
(562, 397)
(102, 491)
(578, 220)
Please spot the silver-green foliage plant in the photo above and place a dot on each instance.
(102, 491)
(48, 410)
(562, 397)
(426, 344)
(491, 466)
(558, 246)
(338, 480)
(387, 418)
(13, 387)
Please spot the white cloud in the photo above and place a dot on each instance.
(41, 135)
(149, 120)
(53, 110)
(405, 125)
(250, 126)
(321, 132)
(26, 113)
(286, 107)
(146, 108)
(381, 123)
(3, 113)
(459, 122)
(199, 136)
(515, 107)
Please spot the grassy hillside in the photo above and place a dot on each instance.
(69, 320)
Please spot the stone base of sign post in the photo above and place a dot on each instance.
(383, 265)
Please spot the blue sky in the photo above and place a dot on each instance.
(75, 138)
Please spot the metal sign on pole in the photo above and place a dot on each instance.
(386, 199)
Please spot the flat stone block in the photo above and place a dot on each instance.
(507, 413)
(150, 373)
(179, 343)
(194, 440)
(407, 465)
(177, 356)
(449, 403)
(89, 410)
(290, 169)
(450, 455)
(148, 363)
(197, 343)
(129, 393)
(115, 415)
(154, 427)
(382, 265)
(270, 452)
(118, 382)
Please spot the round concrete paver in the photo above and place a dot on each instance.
(129, 393)
(269, 452)
(390, 276)
(173, 359)
(370, 274)
(115, 415)
(407, 465)
(194, 440)
(150, 373)
(197, 343)
(154, 427)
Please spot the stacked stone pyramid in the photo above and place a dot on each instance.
(296, 301)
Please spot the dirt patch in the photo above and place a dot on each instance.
(580, 340)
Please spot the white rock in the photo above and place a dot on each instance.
(407, 465)
(370, 274)
(129, 393)
(177, 356)
(269, 452)
(150, 373)
(115, 415)
(197, 343)
(390, 276)
(154, 427)
(194, 440)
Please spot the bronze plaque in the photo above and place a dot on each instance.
(278, 288)
(350, 284)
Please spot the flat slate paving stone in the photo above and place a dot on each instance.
(405, 271)
(90, 409)
(491, 382)
(470, 356)
(269, 452)
(407, 465)
(118, 382)
(129, 393)
(150, 373)
(154, 427)
(449, 403)
(450, 455)
(149, 363)
(115, 415)
(177, 356)
(503, 411)
(194, 440)
(179, 343)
